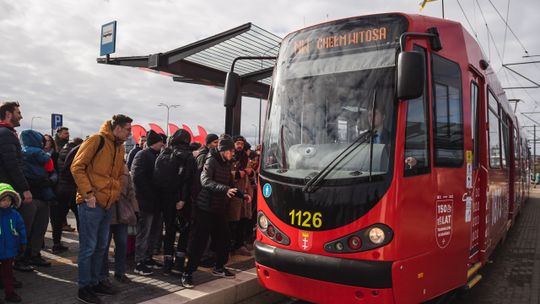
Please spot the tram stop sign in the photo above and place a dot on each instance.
(57, 120)
(108, 38)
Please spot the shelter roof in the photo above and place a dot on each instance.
(207, 61)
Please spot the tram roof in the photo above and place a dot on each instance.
(207, 61)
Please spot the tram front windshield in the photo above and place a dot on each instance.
(323, 104)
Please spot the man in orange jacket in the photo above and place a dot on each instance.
(97, 170)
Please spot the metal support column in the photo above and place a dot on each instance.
(534, 151)
(233, 116)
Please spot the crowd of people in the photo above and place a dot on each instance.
(195, 203)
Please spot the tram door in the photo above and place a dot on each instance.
(477, 171)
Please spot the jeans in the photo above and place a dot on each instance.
(93, 238)
(120, 233)
(149, 229)
(36, 220)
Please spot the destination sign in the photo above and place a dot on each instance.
(346, 35)
(353, 39)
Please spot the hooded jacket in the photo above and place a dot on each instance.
(35, 161)
(179, 187)
(11, 160)
(99, 174)
(34, 157)
(12, 230)
(216, 180)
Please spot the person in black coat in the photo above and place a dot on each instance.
(210, 214)
(149, 223)
(138, 147)
(175, 170)
(65, 190)
(11, 160)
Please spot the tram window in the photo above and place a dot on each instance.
(448, 113)
(474, 121)
(494, 133)
(416, 133)
(505, 147)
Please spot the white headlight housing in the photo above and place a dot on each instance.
(263, 222)
(376, 235)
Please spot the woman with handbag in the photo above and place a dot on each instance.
(124, 213)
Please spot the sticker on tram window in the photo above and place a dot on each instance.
(305, 219)
(267, 190)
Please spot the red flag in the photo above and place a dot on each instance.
(156, 128)
(137, 131)
(172, 128)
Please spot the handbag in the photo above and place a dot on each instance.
(125, 212)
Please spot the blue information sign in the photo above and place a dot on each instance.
(267, 190)
(108, 38)
(56, 121)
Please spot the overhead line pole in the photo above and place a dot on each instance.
(443, 9)
(516, 100)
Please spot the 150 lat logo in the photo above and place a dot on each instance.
(305, 219)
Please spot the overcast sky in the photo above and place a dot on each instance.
(48, 52)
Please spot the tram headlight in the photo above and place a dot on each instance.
(263, 222)
(376, 235)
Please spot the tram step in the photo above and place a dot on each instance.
(473, 281)
(473, 270)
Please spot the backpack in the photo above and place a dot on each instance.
(169, 169)
(66, 174)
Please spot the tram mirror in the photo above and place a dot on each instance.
(232, 89)
(410, 75)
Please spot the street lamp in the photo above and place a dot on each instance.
(168, 109)
(32, 121)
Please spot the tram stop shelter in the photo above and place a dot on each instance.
(207, 62)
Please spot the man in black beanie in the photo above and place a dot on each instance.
(149, 223)
(210, 214)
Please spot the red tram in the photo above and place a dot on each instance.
(392, 163)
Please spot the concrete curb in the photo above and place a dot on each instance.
(220, 291)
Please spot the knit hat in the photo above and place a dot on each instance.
(239, 138)
(225, 145)
(179, 137)
(210, 138)
(7, 190)
(152, 137)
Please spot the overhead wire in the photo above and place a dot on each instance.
(466, 18)
(508, 26)
(500, 56)
(471, 26)
(489, 32)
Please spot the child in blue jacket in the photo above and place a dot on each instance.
(12, 237)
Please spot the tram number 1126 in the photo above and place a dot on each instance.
(305, 219)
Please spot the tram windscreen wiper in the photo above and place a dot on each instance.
(313, 184)
(317, 179)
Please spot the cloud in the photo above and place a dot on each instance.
(48, 52)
